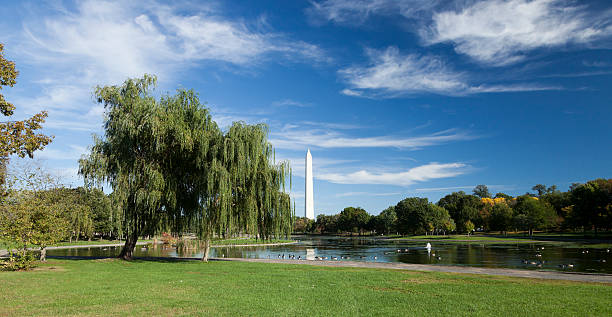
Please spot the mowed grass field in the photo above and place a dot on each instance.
(113, 287)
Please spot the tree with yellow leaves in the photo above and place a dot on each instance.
(17, 137)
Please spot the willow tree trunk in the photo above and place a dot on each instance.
(206, 250)
(43, 254)
(128, 247)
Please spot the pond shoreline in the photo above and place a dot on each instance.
(5, 252)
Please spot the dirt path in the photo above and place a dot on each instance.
(568, 276)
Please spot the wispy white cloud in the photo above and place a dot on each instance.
(55, 152)
(500, 32)
(349, 194)
(358, 11)
(391, 73)
(512, 88)
(104, 42)
(291, 103)
(443, 189)
(468, 188)
(300, 139)
(494, 32)
(121, 39)
(319, 164)
(400, 178)
(331, 125)
(351, 92)
(297, 195)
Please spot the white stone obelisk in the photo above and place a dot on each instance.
(309, 203)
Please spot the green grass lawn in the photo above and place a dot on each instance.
(144, 288)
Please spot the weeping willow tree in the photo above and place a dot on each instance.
(246, 191)
(127, 157)
(170, 166)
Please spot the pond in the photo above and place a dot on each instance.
(536, 256)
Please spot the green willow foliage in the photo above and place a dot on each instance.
(171, 167)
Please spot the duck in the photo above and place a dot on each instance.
(538, 255)
(524, 261)
(439, 258)
(375, 258)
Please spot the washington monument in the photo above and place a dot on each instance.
(309, 203)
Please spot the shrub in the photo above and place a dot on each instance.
(18, 262)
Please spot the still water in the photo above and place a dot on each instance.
(537, 256)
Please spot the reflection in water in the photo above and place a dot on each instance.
(524, 256)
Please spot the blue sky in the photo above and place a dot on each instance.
(394, 98)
